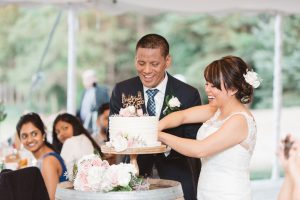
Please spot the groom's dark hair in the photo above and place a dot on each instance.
(154, 41)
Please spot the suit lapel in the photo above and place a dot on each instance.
(141, 89)
(169, 92)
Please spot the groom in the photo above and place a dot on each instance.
(157, 87)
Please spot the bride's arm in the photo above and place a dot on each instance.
(191, 115)
(227, 136)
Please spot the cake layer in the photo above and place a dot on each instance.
(142, 130)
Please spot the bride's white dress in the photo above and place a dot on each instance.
(225, 175)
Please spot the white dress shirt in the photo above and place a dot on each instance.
(159, 97)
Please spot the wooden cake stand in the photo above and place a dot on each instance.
(134, 152)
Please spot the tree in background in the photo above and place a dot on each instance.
(2, 112)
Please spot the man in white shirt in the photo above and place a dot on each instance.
(93, 97)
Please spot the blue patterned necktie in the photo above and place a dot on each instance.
(151, 102)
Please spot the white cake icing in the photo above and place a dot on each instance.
(138, 131)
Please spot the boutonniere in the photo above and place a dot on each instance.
(172, 104)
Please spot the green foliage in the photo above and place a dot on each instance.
(2, 112)
(136, 183)
(121, 188)
(75, 170)
(196, 40)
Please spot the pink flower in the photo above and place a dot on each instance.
(100, 176)
(139, 112)
(127, 112)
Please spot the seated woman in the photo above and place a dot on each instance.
(32, 133)
(72, 140)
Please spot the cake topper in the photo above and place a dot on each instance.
(132, 105)
(130, 100)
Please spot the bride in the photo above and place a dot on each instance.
(226, 140)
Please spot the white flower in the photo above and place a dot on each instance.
(129, 168)
(120, 142)
(117, 175)
(127, 112)
(252, 78)
(172, 105)
(97, 175)
(139, 112)
(94, 177)
(123, 175)
(131, 109)
(174, 102)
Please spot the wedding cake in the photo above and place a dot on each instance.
(131, 128)
(140, 131)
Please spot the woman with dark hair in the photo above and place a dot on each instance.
(226, 140)
(32, 133)
(72, 140)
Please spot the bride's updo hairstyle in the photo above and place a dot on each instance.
(230, 69)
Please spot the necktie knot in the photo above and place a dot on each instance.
(151, 102)
(152, 93)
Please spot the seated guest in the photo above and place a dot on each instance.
(289, 155)
(102, 135)
(72, 140)
(32, 133)
(14, 185)
(102, 123)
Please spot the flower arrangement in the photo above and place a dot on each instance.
(252, 78)
(94, 174)
(172, 104)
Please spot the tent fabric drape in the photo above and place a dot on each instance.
(179, 6)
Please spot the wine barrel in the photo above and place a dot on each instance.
(160, 189)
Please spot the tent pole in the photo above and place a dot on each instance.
(71, 91)
(277, 92)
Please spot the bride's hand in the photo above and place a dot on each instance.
(293, 162)
(289, 155)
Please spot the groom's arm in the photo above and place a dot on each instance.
(115, 103)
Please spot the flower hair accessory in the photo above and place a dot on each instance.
(252, 79)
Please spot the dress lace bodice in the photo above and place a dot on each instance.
(225, 175)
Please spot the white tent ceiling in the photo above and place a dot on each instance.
(179, 6)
